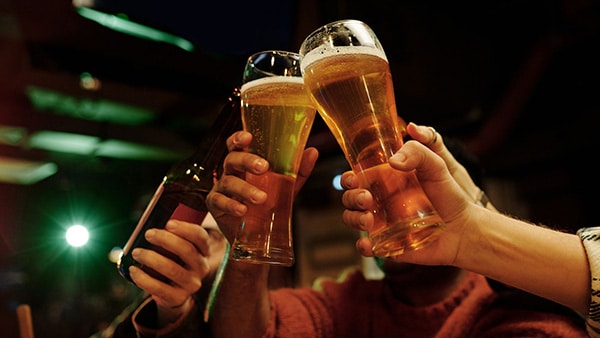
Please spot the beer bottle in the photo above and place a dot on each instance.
(182, 193)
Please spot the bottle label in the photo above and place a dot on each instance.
(166, 203)
(187, 214)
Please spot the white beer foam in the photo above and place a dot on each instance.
(323, 52)
(272, 79)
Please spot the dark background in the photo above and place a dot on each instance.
(516, 81)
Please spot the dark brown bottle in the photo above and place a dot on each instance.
(182, 193)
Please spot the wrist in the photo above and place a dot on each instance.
(474, 238)
(149, 318)
(171, 314)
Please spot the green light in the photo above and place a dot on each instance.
(136, 151)
(128, 27)
(64, 142)
(87, 108)
(12, 135)
(77, 235)
(91, 145)
(20, 171)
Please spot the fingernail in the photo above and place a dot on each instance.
(361, 220)
(133, 270)
(150, 234)
(349, 181)
(135, 253)
(260, 164)
(399, 157)
(239, 210)
(171, 224)
(237, 138)
(258, 195)
(361, 199)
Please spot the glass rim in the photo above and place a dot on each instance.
(327, 30)
(280, 52)
(256, 67)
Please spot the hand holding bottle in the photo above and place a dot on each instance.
(200, 248)
(181, 194)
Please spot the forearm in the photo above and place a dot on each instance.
(242, 307)
(539, 260)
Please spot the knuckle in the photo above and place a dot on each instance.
(176, 274)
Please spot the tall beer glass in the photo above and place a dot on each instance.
(278, 111)
(348, 76)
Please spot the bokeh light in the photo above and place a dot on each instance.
(336, 182)
(77, 235)
(115, 254)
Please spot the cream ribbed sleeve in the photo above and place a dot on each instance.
(590, 237)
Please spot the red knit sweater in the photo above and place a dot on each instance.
(355, 307)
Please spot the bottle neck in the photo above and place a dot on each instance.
(213, 149)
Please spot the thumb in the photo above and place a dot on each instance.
(440, 187)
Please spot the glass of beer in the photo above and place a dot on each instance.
(278, 111)
(348, 76)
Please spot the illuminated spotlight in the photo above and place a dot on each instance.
(336, 182)
(77, 235)
(115, 254)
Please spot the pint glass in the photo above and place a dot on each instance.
(348, 76)
(277, 110)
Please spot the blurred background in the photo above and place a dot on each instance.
(99, 97)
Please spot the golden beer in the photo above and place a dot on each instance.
(279, 113)
(356, 100)
(353, 90)
(266, 231)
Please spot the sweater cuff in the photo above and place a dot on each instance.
(590, 237)
(145, 320)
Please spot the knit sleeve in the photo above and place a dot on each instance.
(145, 322)
(590, 237)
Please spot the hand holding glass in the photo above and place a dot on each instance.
(349, 79)
(277, 110)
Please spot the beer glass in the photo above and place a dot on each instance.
(348, 76)
(278, 111)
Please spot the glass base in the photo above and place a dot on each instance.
(393, 241)
(275, 257)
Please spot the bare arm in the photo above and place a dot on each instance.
(242, 307)
(534, 258)
(542, 261)
(539, 260)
